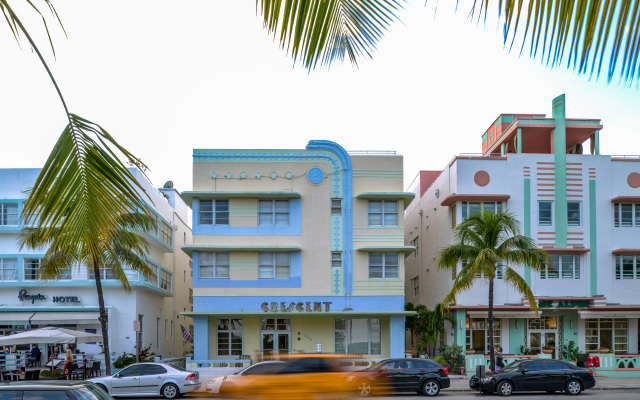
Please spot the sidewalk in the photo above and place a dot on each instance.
(602, 383)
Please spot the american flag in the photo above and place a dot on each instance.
(185, 334)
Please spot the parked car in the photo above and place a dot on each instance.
(148, 379)
(226, 383)
(402, 375)
(536, 375)
(53, 390)
(300, 377)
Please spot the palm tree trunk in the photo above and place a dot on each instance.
(103, 317)
(492, 355)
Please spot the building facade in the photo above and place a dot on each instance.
(72, 302)
(581, 207)
(297, 251)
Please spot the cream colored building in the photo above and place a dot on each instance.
(297, 251)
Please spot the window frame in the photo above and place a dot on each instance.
(273, 212)
(594, 325)
(229, 333)
(618, 213)
(559, 271)
(415, 284)
(497, 327)
(619, 272)
(273, 265)
(465, 208)
(569, 218)
(336, 259)
(4, 213)
(383, 212)
(385, 268)
(67, 277)
(4, 269)
(336, 206)
(218, 213)
(219, 261)
(167, 234)
(550, 203)
(166, 281)
(346, 334)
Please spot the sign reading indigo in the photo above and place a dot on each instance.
(307, 306)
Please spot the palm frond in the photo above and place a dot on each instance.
(326, 31)
(513, 279)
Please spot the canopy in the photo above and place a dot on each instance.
(50, 335)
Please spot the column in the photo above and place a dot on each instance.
(560, 159)
(201, 337)
(460, 328)
(396, 336)
(519, 140)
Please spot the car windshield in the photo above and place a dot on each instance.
(179, 368)
(89, 392)
(515, 366)
(375, 366)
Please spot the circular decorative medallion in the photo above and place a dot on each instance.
(315, 175)
(274, 175)
(214, 175)
(227, 175)
(634, 180)
(243, 175)
(288, 175)
(481, 178)
(258, 175)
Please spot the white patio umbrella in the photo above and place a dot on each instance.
(50, 334)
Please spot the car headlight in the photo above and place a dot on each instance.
(488, 379)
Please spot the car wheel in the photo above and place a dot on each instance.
(170, 391)
(103, 387)
(364, 388)
(505, 388)
(430, 388)
(573, 387)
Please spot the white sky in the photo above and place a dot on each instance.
(166, 77)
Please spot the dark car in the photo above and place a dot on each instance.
(53, 390)
(402, 375)
(535, 375)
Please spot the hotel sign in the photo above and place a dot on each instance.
(308, 306)
(563, 304)
(23, 296)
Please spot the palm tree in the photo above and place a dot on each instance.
(484, 242)
(584, 33)
(124, 249)
(432, 326)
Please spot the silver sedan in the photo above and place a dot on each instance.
(149, 379)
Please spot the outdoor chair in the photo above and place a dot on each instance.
(95, 369)
(75, 372)
(30, 375)
(37, 362)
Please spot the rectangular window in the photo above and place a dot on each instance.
(158, 332)
(383, 213)
(469, 208)
(32, 270)
(229, 337)
(8, 214)
(545, 213)
(273, 266)
(415, 283)
(190, 296)
(165, 280)
(212, 212)
(154, 227)
(626, 215)
(273, 212)
(167, 234)
(573, 213)
(154, 278)
(610, 333)
(480, 274)
(172, 330)
(384, 266)
(336, 259)
(336, 206)
(166, 329)
(214, 265)
(565, 266)
(416, 243)
(358, 336)
(8, 269)
(476, 334)
(627, 267)
(105, 274)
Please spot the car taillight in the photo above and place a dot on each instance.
(591, 372)
(446, 372)
(191, 377)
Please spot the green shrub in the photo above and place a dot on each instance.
(527, 352)
(452, 356)
(56, 373)
(571, 352)
(440, 360)
(124, 360)
(45, 373)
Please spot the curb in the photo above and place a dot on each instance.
(449, 389)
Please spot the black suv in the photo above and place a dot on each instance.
(402, 375)
(53, 390)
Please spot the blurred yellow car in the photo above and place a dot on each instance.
(227, 383)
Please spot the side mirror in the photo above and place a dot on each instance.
(116, 375)
(523, 370)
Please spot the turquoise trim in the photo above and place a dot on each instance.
(396, 336)
(516, 336)
(527, 223)
(190, 249)
(407, 197)
(13, 228)
(460, 328)
(58, 308)
(407, 250)
(519, 140)
(597, 139)
(593, 239)
(503, 147)
(560, 158)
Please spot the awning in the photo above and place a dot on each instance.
(608, 314)
(504, 314)
(189, 249)
(407, 250)
(50, 318)
(406, 196)
(210, 195)
(452, 199)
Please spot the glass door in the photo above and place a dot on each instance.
(276, 337)
(541, 339)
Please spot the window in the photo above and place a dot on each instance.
(469, 208)
(213, 212)
(158, 322)
(166, 328)
(273, 212)
(273, 265)
(165, 280)
(105, 274)
(415, 283)
(477, 338)
(573, 213)
(172, 329)
(229, 337)
(626, 215)
(627, 267)
(416, 243)
(566, 266)
(8, 269)
(336, 206)
(32, 270)
(214, 265)
(545, 213)
(154, 226)
(8, 214)
(153, 279)
(383, 266)
(610, 333)
(358, 336)
(480, 274)
(383, 213)
(167, 234)
(336, 259)
(190, 296)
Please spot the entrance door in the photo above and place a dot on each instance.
(276, 337)
(540, 339)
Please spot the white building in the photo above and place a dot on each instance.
(583, 208)
(73, 303)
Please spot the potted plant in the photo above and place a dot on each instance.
(547, 349)
(571, 352)
(604, 350)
